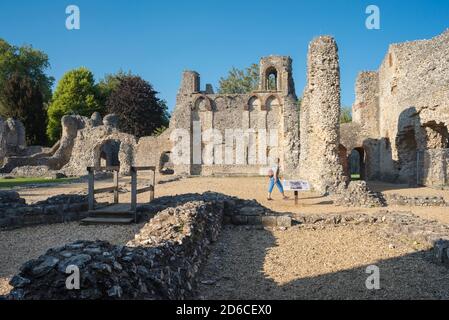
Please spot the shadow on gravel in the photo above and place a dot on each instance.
(235, 270)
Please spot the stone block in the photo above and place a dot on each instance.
(239, 220)
(269, 221)
(254, 220)
(284, 221)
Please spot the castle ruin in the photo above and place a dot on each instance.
(399, 128)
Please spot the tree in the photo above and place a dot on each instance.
(76, 93)
(109, 83)
(25, 103)
(240, 81)
(25, 89)
(28, 62)
(139, 110)
(345, 115)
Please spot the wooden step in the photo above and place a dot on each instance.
(111, 214)
(107, 220)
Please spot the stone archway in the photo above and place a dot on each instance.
(106, 153)
(357, 164)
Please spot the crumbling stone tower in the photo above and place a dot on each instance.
(320, 118)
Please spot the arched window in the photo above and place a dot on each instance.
(271, 78)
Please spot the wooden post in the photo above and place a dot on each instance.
(90, 188)
(116, 186)
(134, 192)
(154, 186)
(296, 197)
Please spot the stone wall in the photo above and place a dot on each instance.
(269, 109)
(162, 261)
(12, 138)
(320, 118)
(401, 110)
(57, 156)
(15, 213)
(96, 143)
(433, 167)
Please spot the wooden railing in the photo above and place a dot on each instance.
(135, 191)
(91, 184)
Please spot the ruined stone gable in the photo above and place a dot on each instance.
(273, 108)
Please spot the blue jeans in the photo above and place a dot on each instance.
(278, 184)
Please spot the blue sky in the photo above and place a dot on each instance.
(160, 39)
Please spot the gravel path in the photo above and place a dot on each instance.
(21, 245)
(259, 264)
(326, 263)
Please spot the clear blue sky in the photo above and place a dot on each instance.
(160, 39)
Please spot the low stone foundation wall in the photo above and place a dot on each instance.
(15, 213)
(396, 199)
(237, 211)
(160, 263)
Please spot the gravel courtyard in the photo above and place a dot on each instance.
(296, 263)
(318, 264)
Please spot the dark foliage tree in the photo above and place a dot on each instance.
(139, 109)
(26, 103)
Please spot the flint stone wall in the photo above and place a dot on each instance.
(15, 213)
(396, 199)
(12, 138)
(162, 261)
(320, 118)
(357, 194)
(237, 211)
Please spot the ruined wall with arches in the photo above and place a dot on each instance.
(234, 128)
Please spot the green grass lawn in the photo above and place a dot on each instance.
(17, 182)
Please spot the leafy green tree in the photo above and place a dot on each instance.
(240, 81)
(139, 109)
(25, 89)
(25, 103)
(76, 93)
(27, 62)
(345, 115)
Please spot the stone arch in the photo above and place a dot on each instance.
(254, 106)
(273, 107)
(253, 102)
(202, 114)
(107, 153)
(274, 127)
(357, 163)
(202, 103)
(271, 79)
(166, 166)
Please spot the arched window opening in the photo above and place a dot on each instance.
(271, 79)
